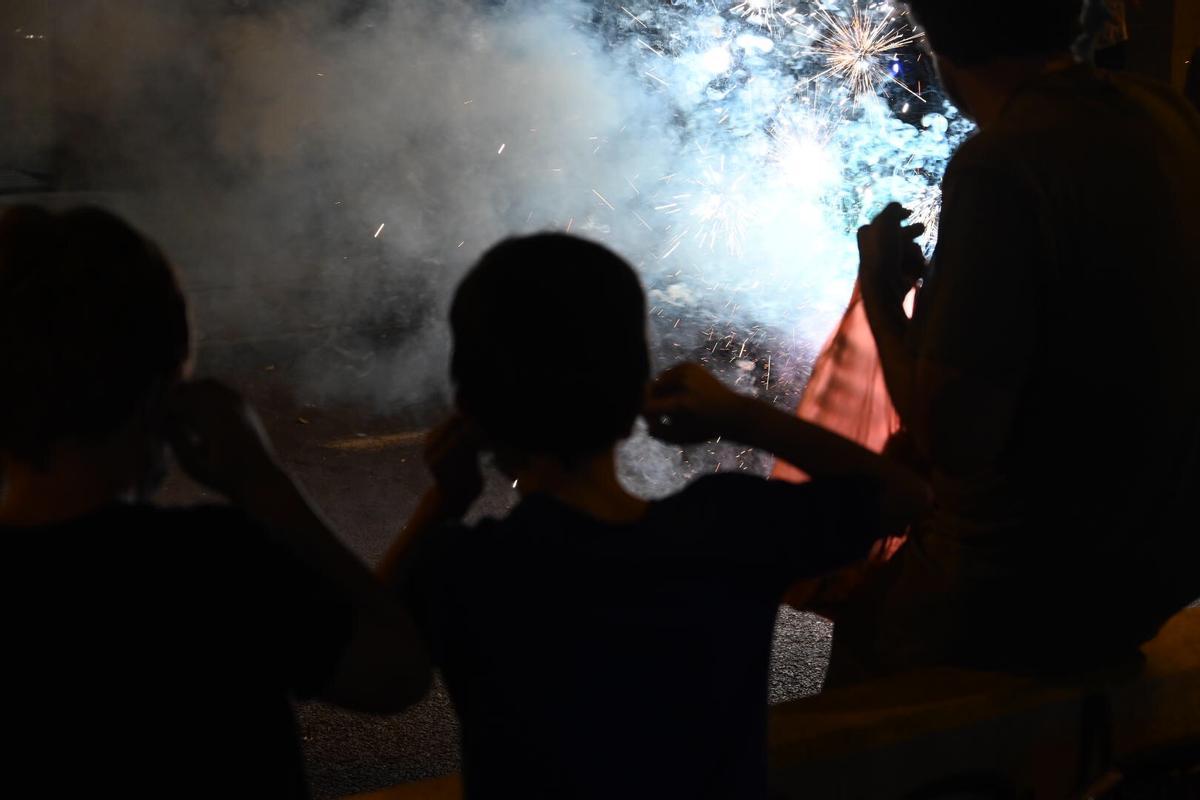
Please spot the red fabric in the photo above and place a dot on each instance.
(847, 395)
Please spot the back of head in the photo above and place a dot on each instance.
(975, 32)
(92, 325)
(550, 350)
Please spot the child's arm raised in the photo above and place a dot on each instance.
(220, 442)
(687, 404)
(452, 453)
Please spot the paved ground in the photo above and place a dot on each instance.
(365, 473)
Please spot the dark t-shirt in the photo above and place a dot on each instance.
(1064, 300)
(153, 652)
(588, 659)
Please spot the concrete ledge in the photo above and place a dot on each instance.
(448, 787)
(897, 737)
(989, 733)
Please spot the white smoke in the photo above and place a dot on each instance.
(324, 173)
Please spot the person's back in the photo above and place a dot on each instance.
(154, 652)
(1055, 348)
(151, 651)
(595, 644)
(592, 659)
(1103, 308)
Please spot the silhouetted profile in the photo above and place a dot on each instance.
(153, 652)
(595, 644)
(1051, 374)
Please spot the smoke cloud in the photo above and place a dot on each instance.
(325, 172)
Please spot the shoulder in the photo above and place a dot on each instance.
(220, 538)
(796, 529)
(216, 523)
(988, 155)
(738, 494)
(715, 491)
(452, 542)
(169, 523)
(204, 514)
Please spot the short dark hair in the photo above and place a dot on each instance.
(92, 320)
(974, 32)
(550, 351)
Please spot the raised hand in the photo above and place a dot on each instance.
(687, 404)
(890, 261)
(452, 453)
(217, 438)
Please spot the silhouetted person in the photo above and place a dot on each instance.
(595, 644)
(1051, 374)
(149, 651)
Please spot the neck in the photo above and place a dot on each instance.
(986, 90)
(74, 485)
(589, 485)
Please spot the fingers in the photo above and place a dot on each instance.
(890, 217)
(665, 428)
(658, 407)
(675, 379)
(893, 214)
(914, 231)
(457, 434)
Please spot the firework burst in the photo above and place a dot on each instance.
(715, 210)
(856, 50)
(926, 209)
(769, 14)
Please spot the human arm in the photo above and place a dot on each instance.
(452, 453)
(890, 262)
(220, 442)
(687, 404)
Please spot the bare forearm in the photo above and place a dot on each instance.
(890, 328)
(431, 512)
(824, 454)
(384, 667)
(281, 506)
(819, 452)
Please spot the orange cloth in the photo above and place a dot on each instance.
(847, 395)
